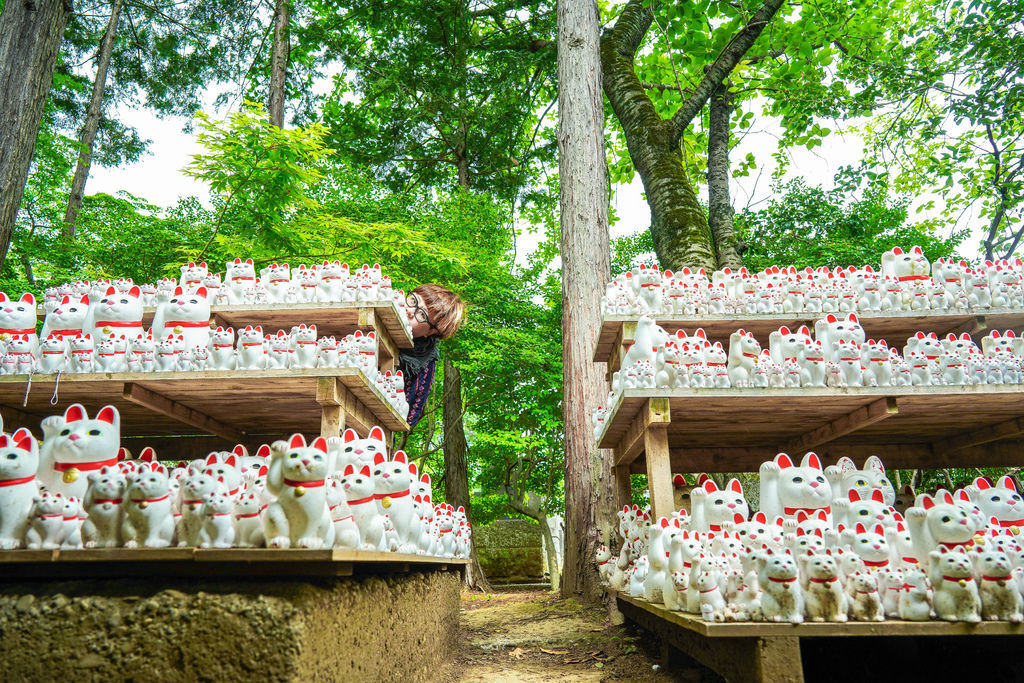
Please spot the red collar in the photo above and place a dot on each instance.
(772, 578)
(185, 323)
(809, 511)
(958, 579)
(361, 501)
(995, 578)
(710, 590)
(151, 500)
(750, 355)
(115, 501)
(15, 482)
(66, 333)
(601, 564)
(25, 331)
(51, 516)
(305, 484)
(873, 590)
(342, 519)
(83, 466)
(382, 496)
(907, 278)
(114, 323)
(1009, 523)
(242, 278)
(53, 353)
(911, 560)
(251, 514)
(832, 580)
(883, 563)
(957, 545)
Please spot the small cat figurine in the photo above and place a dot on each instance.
(187, 314)
(149, 521)
(168, 353)
(248, 523)
(142, 354)
(252, 353)
(866, 603)
(346, 531)
(304, 346)
(848, 358)
(103, 508)
(279, 350)
(782, 597)
(832, 329)
(300, 516)
(112, 354)
(18, 318)
(870, 544)
(327, 353)
(224, 467)
(68, 319)
(81, 359)
(73, 445)
(222, 348)
(331, 285)
(956, 595)
(915, 603)
(195, 488)
(72, 522)
(392, 481)
(997, 589)
(359, 494)
(192, 276)
(277, 280)
(46, 522)
(218, 529)
(239, 275)
(743, 353)
(306, 280)
(824, 597)
(19, 462)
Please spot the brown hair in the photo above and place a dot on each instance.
(444, 307)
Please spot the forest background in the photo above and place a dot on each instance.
(422, 135)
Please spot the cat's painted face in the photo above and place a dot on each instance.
(108, 483)
(870, 543)
(19, 455)
(363, 450)
(723, 506)
(148, 481)
(804, 487)
(391, 475)
(18, 317)
(225, 470)
(780, 564)
(1000, 501)
(947, 522)
(189, 307)
(357, 483)
(239, 271)
(192, 275)
(953, 563)
(819, 565)
(306, 463)
(81, 439)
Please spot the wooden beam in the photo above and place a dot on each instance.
(978, 323)
(366, 318)
(654, 411)
(847, 424)
(389, 358)
(997, 432)
(623, 340)
(159, 403)
(330, 394)
(623, 488)
(659, 470)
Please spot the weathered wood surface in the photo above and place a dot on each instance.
(894, 327)
(22, 565)
(256, 405)
(721, 430)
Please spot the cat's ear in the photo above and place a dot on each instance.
(147, 454)
(1006, 482)
(783, 461)
(349, 435)
(376, 433)
(854, 496)
(877, 496)
(413, 470)
(365, 471)
(264, 470)
(320, 444)
(379, 458)
(203, 265)
(735, 486)
(263, 452)
(831, 318)
(230, 461)
(109, 415)
(248, 261)
(211, 459)
(201, 292)
(135, 291)
(349, 471)
(74, 413)
(178, 291)
(297, 441)
(926, 502)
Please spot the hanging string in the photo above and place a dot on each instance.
(28, 386)
(56, 385)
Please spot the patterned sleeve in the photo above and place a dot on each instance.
(416, 392)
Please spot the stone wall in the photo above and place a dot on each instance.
(400, 627)
(510, 551)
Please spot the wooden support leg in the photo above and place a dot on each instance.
(332, 406)
(623, 489)
(659, 471)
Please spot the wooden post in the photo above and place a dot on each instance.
(659, 470)
(623, 490)
(332, 410)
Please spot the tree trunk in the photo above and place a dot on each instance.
(585, 271)
(30, 34)
(279, 62)
(720, 213)
(456, 471)
(92, 123)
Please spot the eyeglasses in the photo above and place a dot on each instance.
(419, 313)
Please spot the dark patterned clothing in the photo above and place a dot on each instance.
(417, 389)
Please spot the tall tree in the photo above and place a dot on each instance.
(680, 230)
(280, 47)
(585, 270)
(30, 34)
(92, 121)
(720, 212)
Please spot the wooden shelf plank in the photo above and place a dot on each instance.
(190, 416)
(1003, 430)
(655, 411)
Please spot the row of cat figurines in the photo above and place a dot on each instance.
(837, 510)
(273, 497)
(329, 282)
(906, 282)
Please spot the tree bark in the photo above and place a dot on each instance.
(585, 271)
(678, 227)
(279, 62)
(92, 123)
(720, 212)
(456, 470)
(30, 34)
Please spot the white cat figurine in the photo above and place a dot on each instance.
(359, 486)
(104, 509)
(955, 595)
(73, 445)
(19, 461)
(149, 521)
(300, 516)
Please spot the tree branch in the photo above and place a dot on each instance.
(722, 67)
(631, 27)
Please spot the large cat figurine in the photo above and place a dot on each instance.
(239, 276)
(300, 516)
(845, 477)
(743, 353)
(359, 487)
(18, 317)
(187, 315)
(787, 489)
(74, 445)
(117, 313)
(646, 340)
(710, 507)
(392, 480)
(938, 522)
(19, 461)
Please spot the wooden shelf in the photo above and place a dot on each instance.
(113, 563)
(729, 430)
(237, 406)
(894, 327)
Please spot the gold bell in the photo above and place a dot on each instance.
(1015, 530)
(107, 329)
(70, 475)
(386, 502)
(143, 504)
(962, 582)
(178, 329)
(300, 491)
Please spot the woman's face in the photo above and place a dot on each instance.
(419, 329)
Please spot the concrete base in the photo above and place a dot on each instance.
(401, 627)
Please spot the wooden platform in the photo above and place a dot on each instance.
(770, 653)
(238, 406)
(113, 563)
(894, 327)
(729, 430)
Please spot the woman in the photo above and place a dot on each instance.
(435, 312)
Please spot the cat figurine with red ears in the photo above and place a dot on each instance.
(782, 598)
(359, 452)
(833, 329)
(956, 595)
(149, 518)
(192, 275)
(743, 353)
(68, 319)
(300, 516)
(104, 508)
(845, 477)
(277, 280)
(222, 349)
(305, 280)
(239, 275)
(117, 313)
(346, 531)
(1000, 501)
(45, 529)
(938, 523)
(74, 445)
(19, 462)
(359, 494)
(824, 597)
(251, 349)
(711, 507)
(218, 530)
(16, 318)
(187, 314)
(331, 285)
(248, 522)
(392, 481)
(786, 489)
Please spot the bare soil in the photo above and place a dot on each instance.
(536, 636)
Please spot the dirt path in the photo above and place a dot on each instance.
(532, 636)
